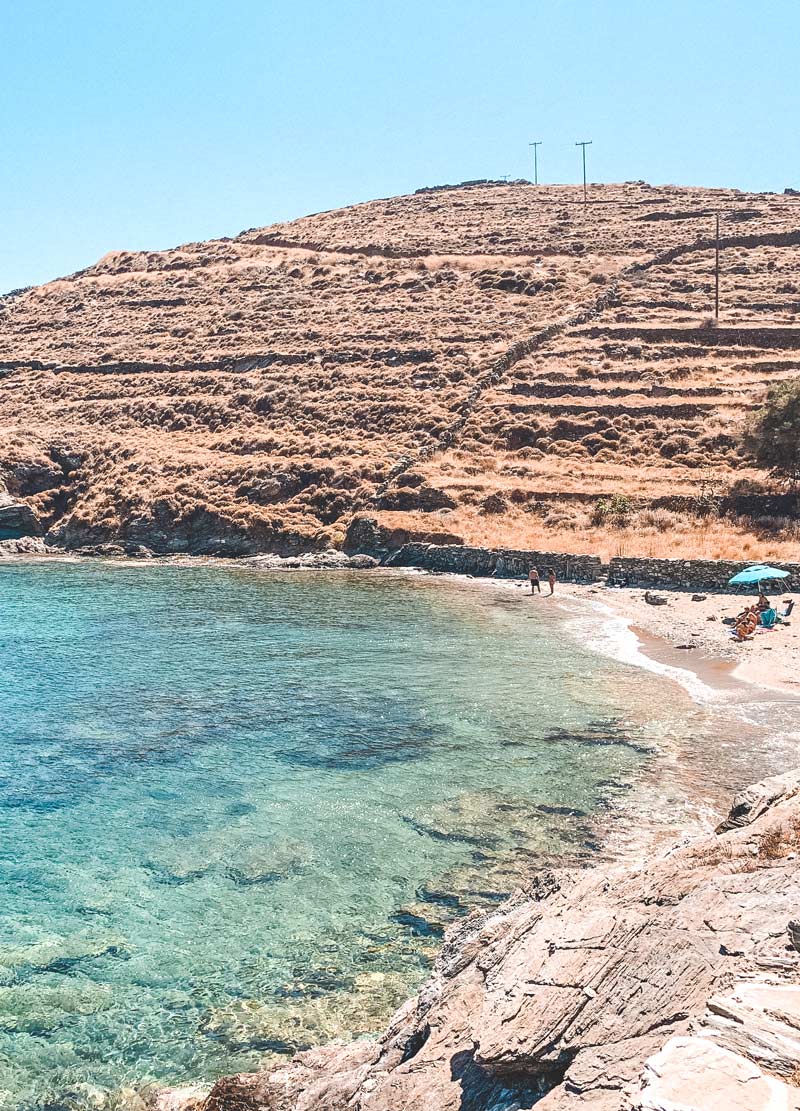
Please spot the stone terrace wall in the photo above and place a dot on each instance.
(674, 574)
(684, 574)
(501, 563)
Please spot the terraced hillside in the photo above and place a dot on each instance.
(489, 361)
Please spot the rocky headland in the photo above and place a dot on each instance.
(671, 985)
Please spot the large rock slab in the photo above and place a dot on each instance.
(693, 1074)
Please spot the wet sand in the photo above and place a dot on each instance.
(691, 635)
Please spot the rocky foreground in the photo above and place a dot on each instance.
(672, 986)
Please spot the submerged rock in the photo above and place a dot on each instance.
(490, 821)
(245, 862)
(268, 863)
(291, 1024)
(36, 1009)
(58, 954)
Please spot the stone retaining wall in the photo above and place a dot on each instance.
(779, 338)
(683, 574)
(666, 574)
(501, 563)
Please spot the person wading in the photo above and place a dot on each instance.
(551, 578)
(533, 575)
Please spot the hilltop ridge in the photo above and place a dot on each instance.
(486, 362)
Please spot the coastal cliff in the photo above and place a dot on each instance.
(674, 984)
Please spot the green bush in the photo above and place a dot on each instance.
(615, 510)
(773, 435)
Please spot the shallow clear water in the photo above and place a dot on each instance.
(237, 807)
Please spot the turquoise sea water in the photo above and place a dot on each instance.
(236, 807)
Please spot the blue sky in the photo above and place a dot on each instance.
(147, 123)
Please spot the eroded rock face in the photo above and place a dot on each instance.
(24, 546)
(18, 520)
(367, 536)
(675, 984)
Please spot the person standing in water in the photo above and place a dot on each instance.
(551, 578)
(533, 575)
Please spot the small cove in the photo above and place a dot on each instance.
(238, 807)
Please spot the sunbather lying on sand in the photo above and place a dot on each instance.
(746, 624)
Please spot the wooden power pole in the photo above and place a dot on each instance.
(535, 146)
(716, 275)
(583, 146)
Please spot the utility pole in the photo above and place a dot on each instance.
(583, 146)
(716, 276)
(535, 145)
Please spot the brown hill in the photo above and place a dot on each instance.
(488, 360)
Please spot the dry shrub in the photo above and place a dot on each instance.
(565, 517)
(779, 840)
(780, 528)
(709, 855)
(662, 520)
(771, 845)
(676, 445)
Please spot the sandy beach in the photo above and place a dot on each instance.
(691, 634)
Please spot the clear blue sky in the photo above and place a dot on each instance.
(147, 123)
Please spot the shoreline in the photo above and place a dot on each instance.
(629, 631)
(680, 636)
(689, 635)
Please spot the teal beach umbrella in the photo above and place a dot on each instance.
(759, 572)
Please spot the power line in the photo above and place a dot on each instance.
(535, 146)
(583, 145)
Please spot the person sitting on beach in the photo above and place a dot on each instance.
(746, 625)
(551, 578)
(533, 576)
(763, 602)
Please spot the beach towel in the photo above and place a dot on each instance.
(769, 617)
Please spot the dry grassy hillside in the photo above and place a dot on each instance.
(490, 361)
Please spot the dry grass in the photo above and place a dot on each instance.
(373, 328)
(570, 530)
(774, 845)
